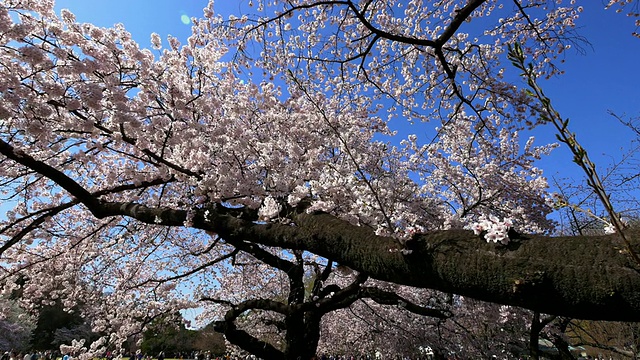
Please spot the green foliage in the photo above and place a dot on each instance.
(209, 340)
(169, 335)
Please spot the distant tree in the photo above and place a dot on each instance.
(168, 334)
(15, 326)
(70, 332)
(208, 339)
(56, 326)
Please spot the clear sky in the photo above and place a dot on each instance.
(605, 78)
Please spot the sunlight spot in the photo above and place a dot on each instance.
(185, 19)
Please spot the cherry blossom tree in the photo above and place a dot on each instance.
(222, 172)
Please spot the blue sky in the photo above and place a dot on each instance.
(605, 78)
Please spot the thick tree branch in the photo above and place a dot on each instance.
(340, 299)
(578, 277)
(240, 337)
(50, 172)
(247, 342)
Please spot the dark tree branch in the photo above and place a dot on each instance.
(248, 342)
(241, 338)
(263, 255)
(383, 297)
(461, 16)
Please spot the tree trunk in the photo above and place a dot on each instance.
(585, 277)
(534, 337)
(298, 346)
(581, 277)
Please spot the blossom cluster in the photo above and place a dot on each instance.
(492, 229)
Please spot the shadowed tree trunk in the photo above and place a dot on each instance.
(302, 322)
(303, 312)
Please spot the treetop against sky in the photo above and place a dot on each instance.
(143, 170)
(593, 84)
